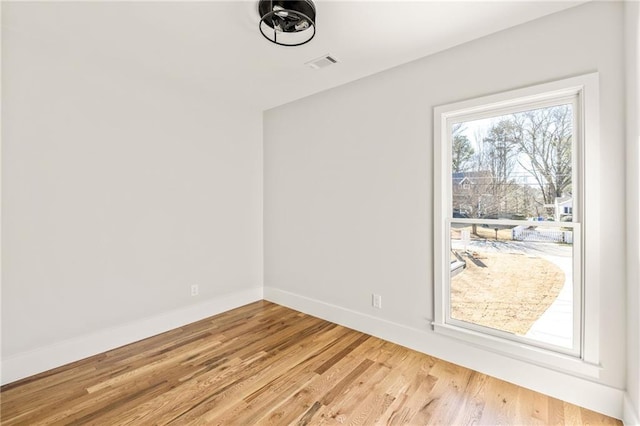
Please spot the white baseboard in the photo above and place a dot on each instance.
(28, 363)
(575, 390)
(629, 413)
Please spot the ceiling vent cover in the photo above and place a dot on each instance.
(322, 61)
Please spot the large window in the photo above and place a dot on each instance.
(510, 215)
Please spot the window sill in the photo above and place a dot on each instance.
(522, 352)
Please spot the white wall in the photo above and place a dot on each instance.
(632, 39)
(118, 193)
(348, 191)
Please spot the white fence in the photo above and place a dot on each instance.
(540, 234)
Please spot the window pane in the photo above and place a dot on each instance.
(517, 280)
(514, 166)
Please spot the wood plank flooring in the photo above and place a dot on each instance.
(266, 364)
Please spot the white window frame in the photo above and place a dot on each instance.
(583, 92)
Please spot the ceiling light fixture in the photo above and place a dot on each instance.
(287, 22)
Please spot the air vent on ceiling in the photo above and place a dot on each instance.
(321, 62)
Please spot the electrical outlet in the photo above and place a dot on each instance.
(194, 290)
(376, 301)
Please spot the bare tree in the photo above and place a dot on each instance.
(545, 137)
(499, 157)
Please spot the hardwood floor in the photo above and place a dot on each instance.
(266, 364)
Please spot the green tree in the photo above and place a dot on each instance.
(461, 150)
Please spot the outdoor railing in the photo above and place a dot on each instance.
(528, 233)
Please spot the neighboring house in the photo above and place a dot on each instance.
(562, 207)
(468, 191)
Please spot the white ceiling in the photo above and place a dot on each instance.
(216, 47)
